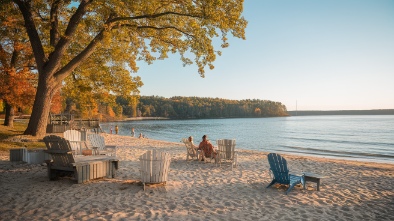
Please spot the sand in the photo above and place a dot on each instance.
(199, 191)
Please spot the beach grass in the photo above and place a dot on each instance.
(7, 134)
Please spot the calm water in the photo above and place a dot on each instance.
(367, 138)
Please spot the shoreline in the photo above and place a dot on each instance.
(295, 136)
(289, 155)
(350, 190)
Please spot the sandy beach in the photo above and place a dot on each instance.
(199, 191)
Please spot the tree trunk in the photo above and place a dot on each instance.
(9, 115)
(42, 105)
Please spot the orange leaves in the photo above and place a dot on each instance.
(57, 103)
(17, 88)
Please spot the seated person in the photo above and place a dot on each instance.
(206, 148)
(194, 147)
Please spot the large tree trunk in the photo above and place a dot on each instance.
(51, 70)
(42, 105)
(9, 115)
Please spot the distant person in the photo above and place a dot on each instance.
(140, 136)
(194, 147)
(207, 149)
(110, 130)
(116, 129)
(132, 132)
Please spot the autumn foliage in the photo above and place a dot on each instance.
(17, 80)
(57, 103)
(109, 37)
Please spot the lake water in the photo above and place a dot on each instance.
(366, 137)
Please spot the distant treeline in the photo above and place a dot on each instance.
(343, 112)
(197, 107)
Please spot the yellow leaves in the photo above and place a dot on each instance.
(132, 64)
(179, 32)
(225, 45)
(142, 29)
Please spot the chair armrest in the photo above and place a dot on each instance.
(296, 173)
(58, 151)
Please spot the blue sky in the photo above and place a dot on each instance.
(320, 54)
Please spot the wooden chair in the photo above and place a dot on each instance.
(154, 167)
(209, 154)
(82, 168)
(190, 150)
(226, 151)
(278, 167)
(98, 145)
(76, 140)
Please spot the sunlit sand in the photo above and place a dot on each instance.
(198, 190)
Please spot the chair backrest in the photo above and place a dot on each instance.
(155, 166)
(278, 166)
(76, 139)
(60, 150)
(226, 148)
(185, 140)
(72, 135)
(189, 148)
(97, 141)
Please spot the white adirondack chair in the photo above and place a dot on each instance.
(154, 167)
(190, 150)
(226, 149)
(76, 140)
(98, 145)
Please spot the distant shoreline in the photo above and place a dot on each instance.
(342, 112)
(145, 118)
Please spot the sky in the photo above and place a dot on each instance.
(306, 54)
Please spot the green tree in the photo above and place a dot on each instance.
(64, 37)
(195, 107)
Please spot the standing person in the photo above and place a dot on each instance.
(207, 148)
(132, 132)
(110, 130)
(116, 129)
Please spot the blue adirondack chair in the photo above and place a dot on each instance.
(278, 166)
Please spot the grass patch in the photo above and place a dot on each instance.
(7, 133)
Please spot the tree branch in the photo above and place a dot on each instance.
(80, 58)
(154, 16)
(3, 57)
(31, 30)
(55, 57)
(54, 33)
(153, 27)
